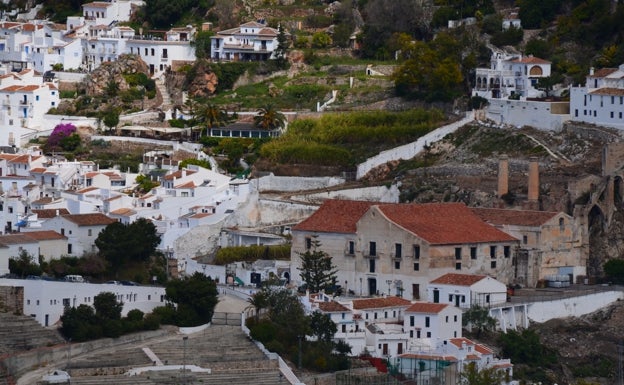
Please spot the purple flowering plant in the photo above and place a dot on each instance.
(61, 131)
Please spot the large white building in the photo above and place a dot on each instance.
(45, 301)
(601, 100)
(251, 41)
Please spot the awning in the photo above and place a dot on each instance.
(239, 281)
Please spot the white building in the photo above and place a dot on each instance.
(160, 54)
(24, 100)
(601, 100)
(81, 230)
(107, 12)
(432, 322)
(465, 290)
(46, 300)
(251, 41)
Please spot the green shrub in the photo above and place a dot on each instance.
(251, 253)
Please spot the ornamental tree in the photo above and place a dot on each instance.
(62, 135)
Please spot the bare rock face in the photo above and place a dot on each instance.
(203, 85)
(98, 80)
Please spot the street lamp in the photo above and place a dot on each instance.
(184, 339)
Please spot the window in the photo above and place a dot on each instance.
(37, 302)
(417, 333)
(343, 315)
(351, 247)
(492, 252)
(473, 253)
(398, 250)
(62, 231)
(411, 334)
(458, 253)
(69, 248)
(416, 266)
(506, 251)
(89, 232)
(416, 252)
(426, 322)
(450, 297)
(308, 243)
(397, 265)
(164, 53)
(371, 265)
(372, 248)
(152, 51)
(525, 239)
(458, 266)
(10, 210)
(375, 315)
(455, 318)
(385, 314)
(611, 114)
(493, 264)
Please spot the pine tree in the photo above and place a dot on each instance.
(317, 270)
(282, 47)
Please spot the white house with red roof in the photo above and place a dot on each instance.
(466, 290)
(429, 323)
(551, 243)
(601, 100)
(252, 41)
(396, 249)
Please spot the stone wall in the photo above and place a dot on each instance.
(12, 299)
(287, 183)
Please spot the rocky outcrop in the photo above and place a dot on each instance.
(97, 82)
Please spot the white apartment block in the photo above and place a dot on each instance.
(251, 41)
(601, 100)
(159, 54)
(24, 100)
(107, 12)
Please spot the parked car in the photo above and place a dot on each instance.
(74, 278)
(112, 283)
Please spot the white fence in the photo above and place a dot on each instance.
(410, 150)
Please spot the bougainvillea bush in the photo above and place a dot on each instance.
(63, 137)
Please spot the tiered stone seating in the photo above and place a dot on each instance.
(19, 333)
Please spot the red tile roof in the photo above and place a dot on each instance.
(335, 216)
(602, 72)
(178, 174)
(531, 60)
(608, 91)
(379, 303)
(333, 307)
(50, 213)
(443, 223)
(458, 279)
(189, 184)
(45, 235)
(514, 217)
(426, 307)
(93, 219)
(16, 239)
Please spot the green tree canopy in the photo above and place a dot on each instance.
(322, 327)
(479, 318)
(317, 269)
(107, 307)
(202, 44)
(24, 265)
(614, 270)
(487, 376)
(195, 296)
(119, 242)
(269, 118)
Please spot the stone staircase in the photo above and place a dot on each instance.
(162, 89)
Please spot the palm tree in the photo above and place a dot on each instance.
(268, 118)
(212, 116)
(260, 300)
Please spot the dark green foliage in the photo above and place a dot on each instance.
(537, 13)
(525, 347)
(24, 265)
(614, 270)
(600, 366)
(472, 375)
(107, 307)
(196, 162)
(510, 36)
(322, 327)
(281, 51)
(195, 298)
(269, 118)
(478, 318)
(83, 323)
(70, 143)
(478, 102)
(119, 242)
(202, 44)
(252, 253)
(317, 269)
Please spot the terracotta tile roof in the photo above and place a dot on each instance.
(443, 223)
(45, 235)
(87, 189)
(11, 88)
(602, 72)
(50, 213)
(178, 174)
(379, 303)
(123, 211)
(483, 349)
(29, 88)
(531, 60)
(335, 216)
(253, 24)
(426, 307)
(472, 357)
(16, 239)
(461, 340)
(189, 184)
(608, 91)
(458, 279)
(333, 307)
(514, 217)
(429, 357)
(38, 170)
(42, 201)
(23, 159)
(200, 215)
(92, 219)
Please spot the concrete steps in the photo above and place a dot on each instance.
(20, 333)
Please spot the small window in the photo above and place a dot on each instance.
(493, 252)
(416, 252)
(308, 243)
(416, 266)
(458, 253)
(372, 248)
(397, 265)
(427, 321)
(506, 251)
(493, 264)
(473, 253)
(351, 247)
(525, 239)
(89, 232)
(458, 266)
(398, 250)
(450, 297)
(455, 318)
